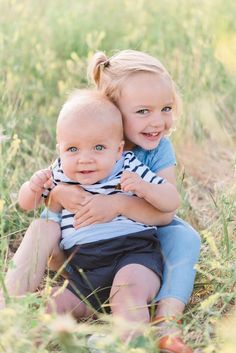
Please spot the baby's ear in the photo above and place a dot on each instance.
(58, 148)
(121, 148)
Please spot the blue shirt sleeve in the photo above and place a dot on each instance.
(163, 156)
(52, 216)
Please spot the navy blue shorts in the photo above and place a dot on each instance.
(93, 266)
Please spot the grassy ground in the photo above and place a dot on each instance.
(44, 50)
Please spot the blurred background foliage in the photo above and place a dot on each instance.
(45, 47)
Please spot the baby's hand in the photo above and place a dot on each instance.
(132, 182)
(42, 179)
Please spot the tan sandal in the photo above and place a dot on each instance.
(170, 343)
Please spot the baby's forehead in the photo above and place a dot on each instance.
(95, 114)
(99, 117)
(86, 107)
(91, 105)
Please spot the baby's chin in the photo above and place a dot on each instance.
(86, 178)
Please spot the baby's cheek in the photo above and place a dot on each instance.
(67, 166)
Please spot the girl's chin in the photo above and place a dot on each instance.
(149, 143)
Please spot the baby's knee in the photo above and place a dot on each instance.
(130, 307)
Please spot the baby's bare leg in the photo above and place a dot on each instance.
(64, 301)
(40, 243)
(133, 288)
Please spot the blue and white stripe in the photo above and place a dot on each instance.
(118, 226)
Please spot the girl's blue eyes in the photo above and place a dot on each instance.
(166, 109)
(142, 111)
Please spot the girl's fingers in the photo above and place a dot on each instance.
(89, 222)
(72, 207)
(84, 207)
(83, 215)
(84, 210)
(84, 221)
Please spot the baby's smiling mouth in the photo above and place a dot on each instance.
(86, 171)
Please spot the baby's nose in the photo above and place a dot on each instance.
(84, 157)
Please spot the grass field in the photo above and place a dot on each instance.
(44, 49)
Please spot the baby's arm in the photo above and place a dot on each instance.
(163, 196)
(53, 204)
(30, 194)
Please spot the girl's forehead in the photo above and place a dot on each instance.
(147, 79)
(141, 84)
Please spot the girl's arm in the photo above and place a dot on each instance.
(104, 208)
(70, 197)
(162, 196)
(140, 210)
(30, 194)
(168, 174)
(129, 206)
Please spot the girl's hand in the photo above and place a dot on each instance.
(70, 197)
(132, 182)
(97, 209)
(42, 179)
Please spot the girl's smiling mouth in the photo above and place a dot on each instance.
(152, 135)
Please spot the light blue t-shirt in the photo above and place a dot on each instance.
(161, 157)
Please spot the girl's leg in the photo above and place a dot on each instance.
(30, 261)
(180, 245)
(64, 301)
(133, 288)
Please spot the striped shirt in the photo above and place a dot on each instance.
(118, 226)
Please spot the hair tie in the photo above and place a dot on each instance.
(106, 63)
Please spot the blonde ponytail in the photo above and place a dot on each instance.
(95, 66)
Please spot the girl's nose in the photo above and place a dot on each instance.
(157, 119)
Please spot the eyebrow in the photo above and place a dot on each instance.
(151, 106)
(169, 103)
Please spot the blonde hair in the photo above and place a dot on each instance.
(95, 105)
(109, 74)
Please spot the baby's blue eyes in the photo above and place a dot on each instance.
(96, 148)
(73, 149)
(99, 147)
